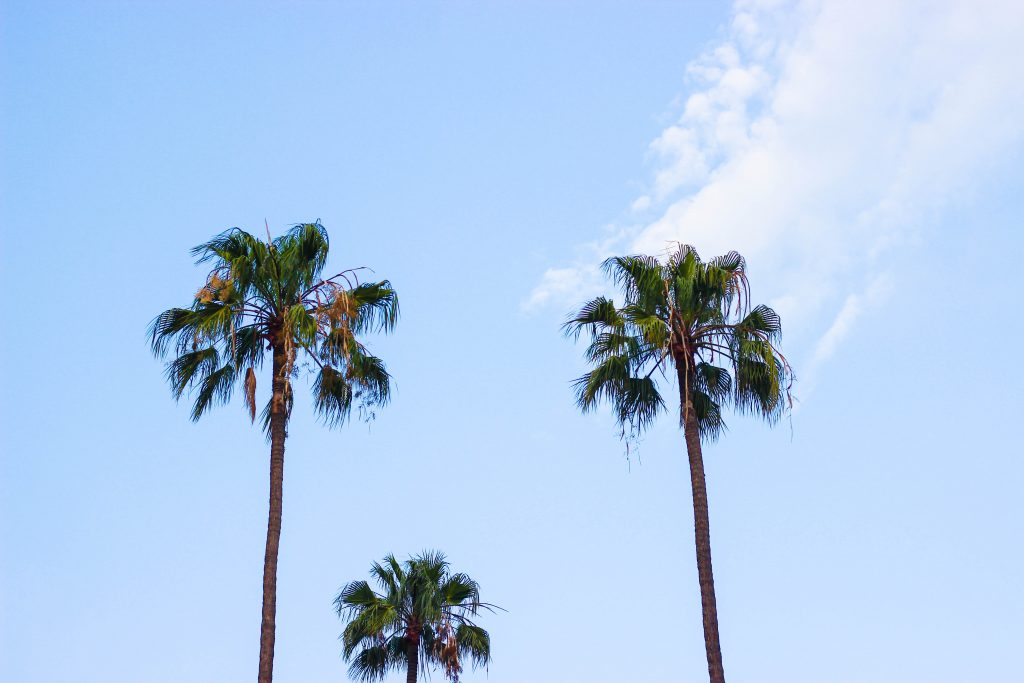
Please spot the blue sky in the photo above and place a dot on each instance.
(866, 158)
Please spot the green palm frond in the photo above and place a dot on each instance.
(289, 402)
(761, 322)
(597, 314)
(301, 325)
(171, 326)
(651, 326)
(635, 399)
(602, 383)
(731, 262)
(303, 253)
(354, 595)
(712, 380)
(214, 389)
(374, 662)
(459, 589)
(709, 415)
(376, 307)
(389, 575)
(231, 246)
(761, 385)
(474, 644)
(364, 380)
(638, 402)
(371, 378)
(191, 367)
(249, 346)
(332, 396)
(639, 277)
(608, 344)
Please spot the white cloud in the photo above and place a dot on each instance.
(570, 285)
(853, 307)
(820, 133)
(563, 284)
(641, 203)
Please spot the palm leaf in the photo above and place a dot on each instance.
(376, 305)
(214, 389)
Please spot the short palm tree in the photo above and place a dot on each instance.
(269, 296)
(421, 618)
(696, 318)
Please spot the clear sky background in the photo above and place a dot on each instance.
(866, 158)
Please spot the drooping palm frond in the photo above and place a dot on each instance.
(376, 660)
(596, 315)
(289, 402)
(695, 315)
(376, 306)
(215, 389)
(303, 254)
(332, 395)
(182, 372)
(389, 575)
(270, 295)
(474, 643)
(639, 277)
(460, 590)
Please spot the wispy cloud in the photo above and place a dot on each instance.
(819, 134)
(563, 284)
(852, 308)
(582, 279)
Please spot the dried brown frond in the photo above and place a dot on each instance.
(290, 353)
(341, 306)
(250, 393)
(217, 288)
(446, 649)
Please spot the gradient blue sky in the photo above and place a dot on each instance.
(484, 157)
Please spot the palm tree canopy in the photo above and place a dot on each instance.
(422, 601)
(270, 295)
(695, 314)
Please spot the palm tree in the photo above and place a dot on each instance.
(270, 296)
(695, 317)
(421, 618)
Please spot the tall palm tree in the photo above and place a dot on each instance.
(422, 618)
(696, 318)
(269, 296)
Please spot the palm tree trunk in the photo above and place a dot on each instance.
(278, 416)
(412, 660)
(702, 534)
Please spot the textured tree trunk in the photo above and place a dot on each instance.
(278, 418)
(702, 533)
(412, 660)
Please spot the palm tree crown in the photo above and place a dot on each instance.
(422, 617)
(270, 295)
(696, 315)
